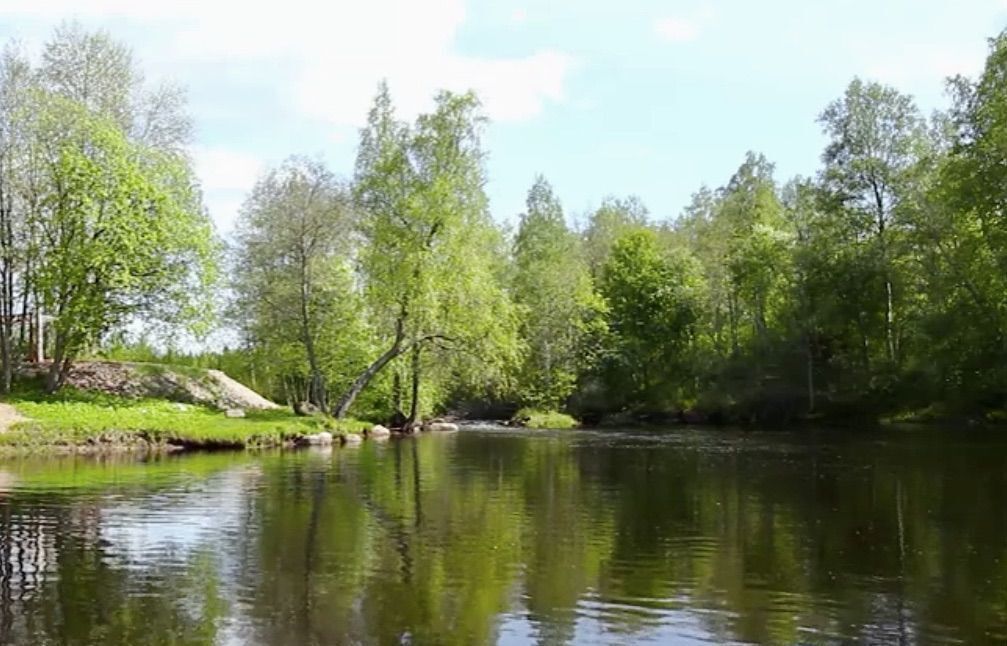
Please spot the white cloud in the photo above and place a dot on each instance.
(913, 65)
(511, 90)
(223, 169)
(519, 16)
(226, 177)
(317, 60)
(224, 207)
(677, 30)
(338, 50)
(685, 27)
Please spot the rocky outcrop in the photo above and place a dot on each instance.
(9, 417)
(229, 390)
(210, 388)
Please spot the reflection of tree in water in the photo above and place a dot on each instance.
(27, 552)
(455, 539)
(63, 581)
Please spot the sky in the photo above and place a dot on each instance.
(639, 97)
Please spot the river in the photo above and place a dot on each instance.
(513, 537)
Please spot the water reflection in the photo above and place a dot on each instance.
(692, 536)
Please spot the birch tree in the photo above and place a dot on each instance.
(292, 260)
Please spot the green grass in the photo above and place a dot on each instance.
(532, 418)
(75, 418)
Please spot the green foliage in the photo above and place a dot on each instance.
(544, 419)
(654, 303)
(102, 218)
(294, 298)
(556, 299)
(119, 236)
(613, 219)
(431, 275)
(877, 286)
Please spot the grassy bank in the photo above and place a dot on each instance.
(532, 418)
(82, 420)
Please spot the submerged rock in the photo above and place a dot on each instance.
(352, 439)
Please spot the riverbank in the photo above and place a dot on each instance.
(75, 420)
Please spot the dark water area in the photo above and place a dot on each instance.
(514, 537)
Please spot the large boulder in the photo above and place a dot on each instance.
(319, 439)
(378, 431)
(440, 427)
(305, 409)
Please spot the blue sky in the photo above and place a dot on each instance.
(605, 98)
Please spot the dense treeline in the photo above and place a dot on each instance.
(101, 219)
(876, 286)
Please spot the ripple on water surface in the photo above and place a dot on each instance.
(692, 536)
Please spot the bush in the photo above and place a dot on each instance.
(532, 418)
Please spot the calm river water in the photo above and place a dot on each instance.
(492, 536)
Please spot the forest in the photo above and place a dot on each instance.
(875, 287)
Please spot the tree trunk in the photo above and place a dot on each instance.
(882, 222)
(6, 286)
(6, 316)
(52, 376)
(358, 385)
(59, 369)
(731, 311)
(6, 358)
(414, 406)
(811, 376)
(890, 320)
(397, 394)
(316, 387)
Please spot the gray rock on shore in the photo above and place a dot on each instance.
(378, 431)
(320, 439)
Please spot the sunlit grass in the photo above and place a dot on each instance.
(532, 418)
(83, 418)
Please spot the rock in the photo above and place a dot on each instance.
(692, 416)
(378, 431)
(305, 409)
(320, 439)
(441, 427)
(352, 439)
(234, 412)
